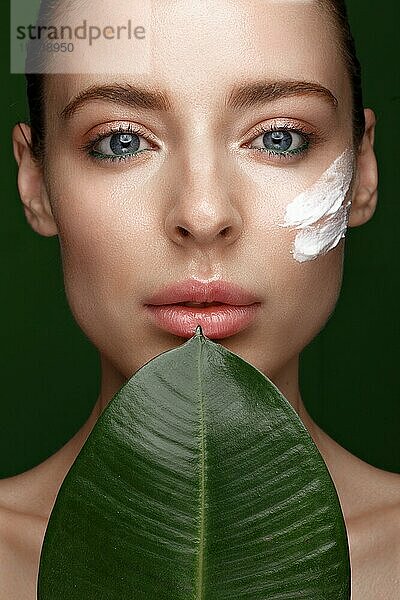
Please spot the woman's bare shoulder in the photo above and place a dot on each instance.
(374, 538)
(26, 501)
(374, 535)
(20, 544)
(370, 500)
(21, 536)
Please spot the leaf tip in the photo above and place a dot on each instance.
(199, 331)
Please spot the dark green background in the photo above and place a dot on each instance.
(349, 374)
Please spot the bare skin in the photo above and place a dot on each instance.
(201, 173)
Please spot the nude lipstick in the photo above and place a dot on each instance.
(221, 308)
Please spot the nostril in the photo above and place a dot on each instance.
(183, 231)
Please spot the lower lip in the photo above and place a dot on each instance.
(216, 321)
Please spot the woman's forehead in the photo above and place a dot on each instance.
(218, 38)
(207, 46)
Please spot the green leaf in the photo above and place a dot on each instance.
(199, 481)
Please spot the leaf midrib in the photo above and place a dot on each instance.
(200, 588)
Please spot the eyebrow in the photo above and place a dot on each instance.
(242, 96)
(260, 92)
(126, 94)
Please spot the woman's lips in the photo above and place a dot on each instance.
(217, 321)
(195, 290)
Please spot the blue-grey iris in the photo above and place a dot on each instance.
(277, 140)
(124, 143)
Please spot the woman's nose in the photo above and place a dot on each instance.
(203, 210)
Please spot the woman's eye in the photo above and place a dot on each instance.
(120, 144)
(280, 141)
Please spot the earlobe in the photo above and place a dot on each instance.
(365, 191)
(31, 184)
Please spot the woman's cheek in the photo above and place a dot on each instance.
(97, 250)
(317, 220)
(302, 247)
(320, 213)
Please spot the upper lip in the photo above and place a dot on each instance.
(194, 290)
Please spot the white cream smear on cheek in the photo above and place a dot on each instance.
(319, 213)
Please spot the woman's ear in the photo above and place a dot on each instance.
(365, 191)
(31, 185)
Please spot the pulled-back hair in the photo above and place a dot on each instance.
(336, 10)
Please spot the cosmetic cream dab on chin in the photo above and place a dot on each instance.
(319, 213)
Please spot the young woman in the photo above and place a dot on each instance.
(232, 164)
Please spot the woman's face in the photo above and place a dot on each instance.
(204, 167)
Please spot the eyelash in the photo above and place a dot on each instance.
(309, 137)
(88, 147)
